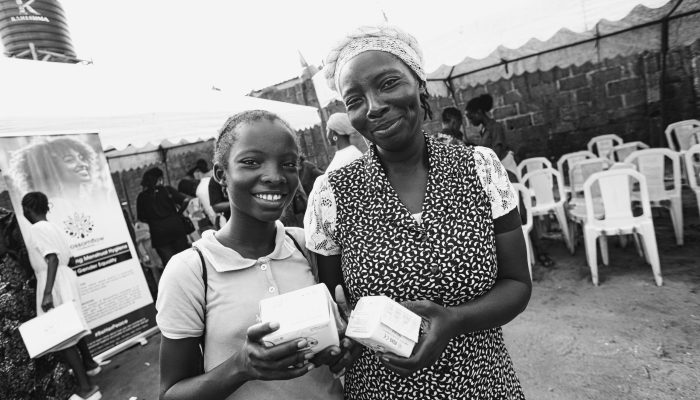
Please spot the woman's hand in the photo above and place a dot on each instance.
(47, 302)
(285, 361)
(437, 330)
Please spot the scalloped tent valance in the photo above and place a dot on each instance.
(568, 48)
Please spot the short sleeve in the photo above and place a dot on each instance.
(180, 301)
(44, 239)
(494, 179)
(320, 219)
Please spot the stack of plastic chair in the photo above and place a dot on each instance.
(622, 151)
(652, 164)
(577, 213)
(525, 197)
(692, 166)
(565, 163)
(681, 135)
(601, 145)
(618, 218)
(542, 184)
(532, 164)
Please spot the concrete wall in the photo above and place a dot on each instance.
(549, 113)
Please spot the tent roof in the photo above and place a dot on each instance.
(140, 112)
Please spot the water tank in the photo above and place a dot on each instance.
(41, 22)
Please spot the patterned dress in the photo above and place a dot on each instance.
(448, 257)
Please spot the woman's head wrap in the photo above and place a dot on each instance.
(385, 38)
(340, 124)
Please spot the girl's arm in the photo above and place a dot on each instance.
(181, 359)
(52, 263)
(506, 299)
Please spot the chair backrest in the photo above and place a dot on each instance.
(525, 197)
(532, 164)
(692, 166)
(542, 183)
(602, 144)
(680, 135)
(652, 164)
(566, 161)
(621, 151)
(580, 171)
(616, 202)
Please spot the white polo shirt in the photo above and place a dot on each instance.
(236, 286)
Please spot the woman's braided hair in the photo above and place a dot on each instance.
(385, 38)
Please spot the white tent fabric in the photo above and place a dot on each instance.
(47, 98)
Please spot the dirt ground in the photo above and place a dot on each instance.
(626, 339)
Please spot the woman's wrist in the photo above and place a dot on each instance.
(237, 371)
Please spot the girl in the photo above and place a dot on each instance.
(251, 257)
(492, 134)
(50, 255)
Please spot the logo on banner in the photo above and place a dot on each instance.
(79, 225)
(27, 12)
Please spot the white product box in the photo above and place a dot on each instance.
(384, 325)
(304, 313)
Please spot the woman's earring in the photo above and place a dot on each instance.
(335, 138)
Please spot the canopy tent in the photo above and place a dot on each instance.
(133, 118)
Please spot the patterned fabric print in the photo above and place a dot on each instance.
(448, 259)
(496, 177)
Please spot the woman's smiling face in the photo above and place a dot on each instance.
(261, 176)
(382, 97)
(76, 166)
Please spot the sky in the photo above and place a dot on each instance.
(241, 46)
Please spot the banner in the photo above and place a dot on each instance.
(73, 173)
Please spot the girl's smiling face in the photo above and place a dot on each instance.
(77, 167)
(261, 177)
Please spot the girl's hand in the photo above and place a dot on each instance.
(437, 332)
(339, 358)
(47, 302)
(281, 362)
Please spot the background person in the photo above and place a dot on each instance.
(308, 172)
(338, 133)
(492, 133)
(434, 227)
(250, 258)
(451, 132)
(57, 284)
(160, 206)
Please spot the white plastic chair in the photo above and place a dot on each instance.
(681, 135)
(565, 163)
(601, 145)
(542, 183)
(578, 174)
(692, 167)
(618, 218)
(622, 151)
(525, 195)
(532, 164)
(652, 164)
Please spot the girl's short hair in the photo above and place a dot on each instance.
(228, 133)
(150, 177)
(36, 201)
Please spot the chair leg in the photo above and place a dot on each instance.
(649, 238)
(603, 240)
(677, 219)
(623, 241)
(573, 235)
(561, 219)
(589, 240)
(530, 257)
(638, 246)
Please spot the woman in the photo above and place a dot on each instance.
(57, 284)
(338, 133)
(492, 134)
(65, 168)
(432, 226)
(250, 258)
(160, 206)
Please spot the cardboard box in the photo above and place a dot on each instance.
(384, 325)
(305, 313)
(57, 328)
